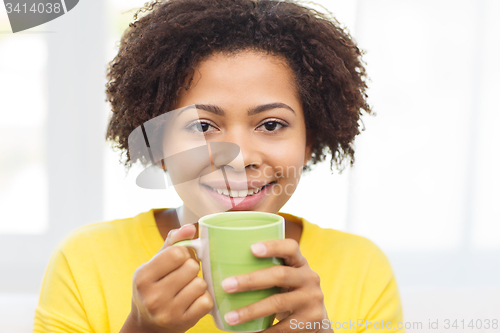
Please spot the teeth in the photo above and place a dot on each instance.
(239, 194)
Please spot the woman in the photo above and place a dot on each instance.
(287, 86)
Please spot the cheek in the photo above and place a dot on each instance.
(290, 155)
(287, 165)
(191, 196)
(185, 163)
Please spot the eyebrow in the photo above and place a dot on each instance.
(252, 111)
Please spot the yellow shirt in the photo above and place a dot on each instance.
(88, 283)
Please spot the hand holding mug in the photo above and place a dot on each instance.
(303, 301)
(168, 296)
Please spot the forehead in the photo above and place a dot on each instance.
(249, 61)
(246, 73)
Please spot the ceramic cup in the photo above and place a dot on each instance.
(224, 250)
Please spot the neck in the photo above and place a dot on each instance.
(186, 215)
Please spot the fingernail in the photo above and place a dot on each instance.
(172, 232)
(231, 318)
(259, 249)
(183, 226)
(230, 284)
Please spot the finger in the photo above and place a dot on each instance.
(276, 276)
(187, 231)
(288, 249)
(178, 279)
(190, 292)
(270, 305)
(282, 315)
(200, 307)
(162, 263)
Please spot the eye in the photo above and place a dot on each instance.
(200, 126)
(273, 125)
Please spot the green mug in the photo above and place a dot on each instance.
(224, 250)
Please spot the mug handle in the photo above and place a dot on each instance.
(194, 244)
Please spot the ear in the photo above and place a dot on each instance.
(309, 145)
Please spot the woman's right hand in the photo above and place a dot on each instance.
(168, 296)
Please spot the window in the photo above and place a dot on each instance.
(23, 175)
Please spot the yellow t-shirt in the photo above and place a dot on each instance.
(88, 283)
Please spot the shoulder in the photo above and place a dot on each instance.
(337, 240)
(353, 253)
(87, 253)
(97, 234)
(361, 250)
(98, 246)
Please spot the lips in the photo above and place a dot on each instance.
(243, 199)
(233, 193)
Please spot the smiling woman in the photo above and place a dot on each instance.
(285, 86)
(248, 99)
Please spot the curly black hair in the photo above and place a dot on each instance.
(159, 51)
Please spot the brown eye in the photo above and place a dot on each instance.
(201, 127)
(272, 126)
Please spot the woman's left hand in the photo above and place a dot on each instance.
(302, 306)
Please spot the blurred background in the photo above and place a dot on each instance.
(425, 186)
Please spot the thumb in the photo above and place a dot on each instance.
(187, 231)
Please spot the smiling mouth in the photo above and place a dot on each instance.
(239, 194)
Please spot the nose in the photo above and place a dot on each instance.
(249, 154)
